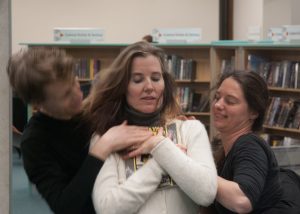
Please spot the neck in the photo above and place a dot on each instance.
(59, 117)
(228, 139)
(135, 117)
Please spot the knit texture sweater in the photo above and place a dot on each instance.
(194, 174)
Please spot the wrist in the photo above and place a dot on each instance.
(156, 143)
(100, 150)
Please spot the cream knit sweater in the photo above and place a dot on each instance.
(194, 173)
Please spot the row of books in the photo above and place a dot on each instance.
(182, 69)
(282, 74)
(227, 65)
(87, 68)
(191, 100)
(283, 112)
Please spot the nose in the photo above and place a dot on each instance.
(219, 104)
(148, 86)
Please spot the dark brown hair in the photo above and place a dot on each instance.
(31, 70)
(104, 106)
(255, 91)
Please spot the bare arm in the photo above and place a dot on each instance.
(232, 197)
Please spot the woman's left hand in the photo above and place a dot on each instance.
(146, 147)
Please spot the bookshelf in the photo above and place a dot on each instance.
(193, 92)
(209, 60)
(200, 83)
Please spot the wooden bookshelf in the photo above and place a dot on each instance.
(201, 83)
(209, 60)
(106, 53)
(277, 53)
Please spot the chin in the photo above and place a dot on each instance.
(218, 126)
(148, 110)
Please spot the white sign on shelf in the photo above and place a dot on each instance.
(275, 33)
(291, 33)
(177, 35)
(75, 35)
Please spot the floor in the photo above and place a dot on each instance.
(26, 199)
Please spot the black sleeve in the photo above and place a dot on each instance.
(62, 193)
(250, 167)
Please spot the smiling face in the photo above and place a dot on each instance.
(230, 110)
(146, 84)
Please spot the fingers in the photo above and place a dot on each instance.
(124, 122)
(191, 118)
(133, 153)
(182, 148)
(160, 131)
(181, 117)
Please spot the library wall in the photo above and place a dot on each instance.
(123, 21)
(263, 13)
(276, 13)
(4, 109)
(295, 12)
(245, 14)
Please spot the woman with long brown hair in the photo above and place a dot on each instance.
(173, 170)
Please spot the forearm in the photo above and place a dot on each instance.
(196, 178)
(111, 196)
(232, 197)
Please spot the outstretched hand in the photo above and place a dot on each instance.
(118, 138)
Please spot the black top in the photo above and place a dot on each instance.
(252, 164)
(56, 160)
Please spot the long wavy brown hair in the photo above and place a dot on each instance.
(104, 107)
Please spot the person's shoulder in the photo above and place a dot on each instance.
(193, 123)
(36, 131)
(252, 138)
(249, 137)
(252, 142)
(33, 127)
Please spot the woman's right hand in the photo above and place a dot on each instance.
(118, 138)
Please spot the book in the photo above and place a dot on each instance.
(296, 116)
(287, 105)
(227, 65)
(87, 68)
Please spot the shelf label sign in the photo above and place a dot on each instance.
(177, 35)
(291, 33)
(75, 35)
(275, 33)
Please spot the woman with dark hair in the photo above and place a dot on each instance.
(156, 176)
(250, 180)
